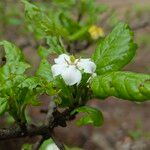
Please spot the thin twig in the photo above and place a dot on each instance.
(49, 116)
(57, 142)
(16, 132)
(48, 122)
(45, 131)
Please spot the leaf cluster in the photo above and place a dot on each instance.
(70, 20)
(17, 89)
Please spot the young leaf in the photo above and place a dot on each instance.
(44, 70)
(92, 116)
(3, 105)
(14, 68)
(124, 85)
(31, 10)
(79, 34)
(41, 23)
(55, 45)
(30, 83)
(43, 52)
(116, 50)
(65, 92)
(12, 52)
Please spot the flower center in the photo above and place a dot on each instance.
(72, 59)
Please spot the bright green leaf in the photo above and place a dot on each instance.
(45, 144)
(41, 23)
(31, 10)
(44, 70)
(124, 85)
(29, 83)
(3, 105)
(116, 50)
(55, 45)
(13, 53)
(92, 116)
(65, 92)
(43, 52)
(79, 34)
(26, 147)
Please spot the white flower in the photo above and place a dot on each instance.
(70, 68)
(52, 146)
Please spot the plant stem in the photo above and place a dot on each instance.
(57, 142)
(38, 143)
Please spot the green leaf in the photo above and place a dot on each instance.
(92, 116)
(45, 144)
(30, 83)
(41, 23)
(44, 70)
(43, 52)
(31, 98)
(124, 85)
(27, 146)
(15, 63)
(14, 68)
(31, 10)
(116, 50)
(70, 24)
(49, 89)
(12, 52)
(79, 34)
(3, 105)
(64, 91)
(55, 44)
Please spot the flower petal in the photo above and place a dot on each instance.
(62, 59)
(58, 69)
(71, 75)
(87, 65)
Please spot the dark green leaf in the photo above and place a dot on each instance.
(116, 50)
(92, 116)
(124, 85)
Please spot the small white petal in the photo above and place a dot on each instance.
(58, 69)
(52, 147)
(62, 59)
(71, 75)
(87, 65)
